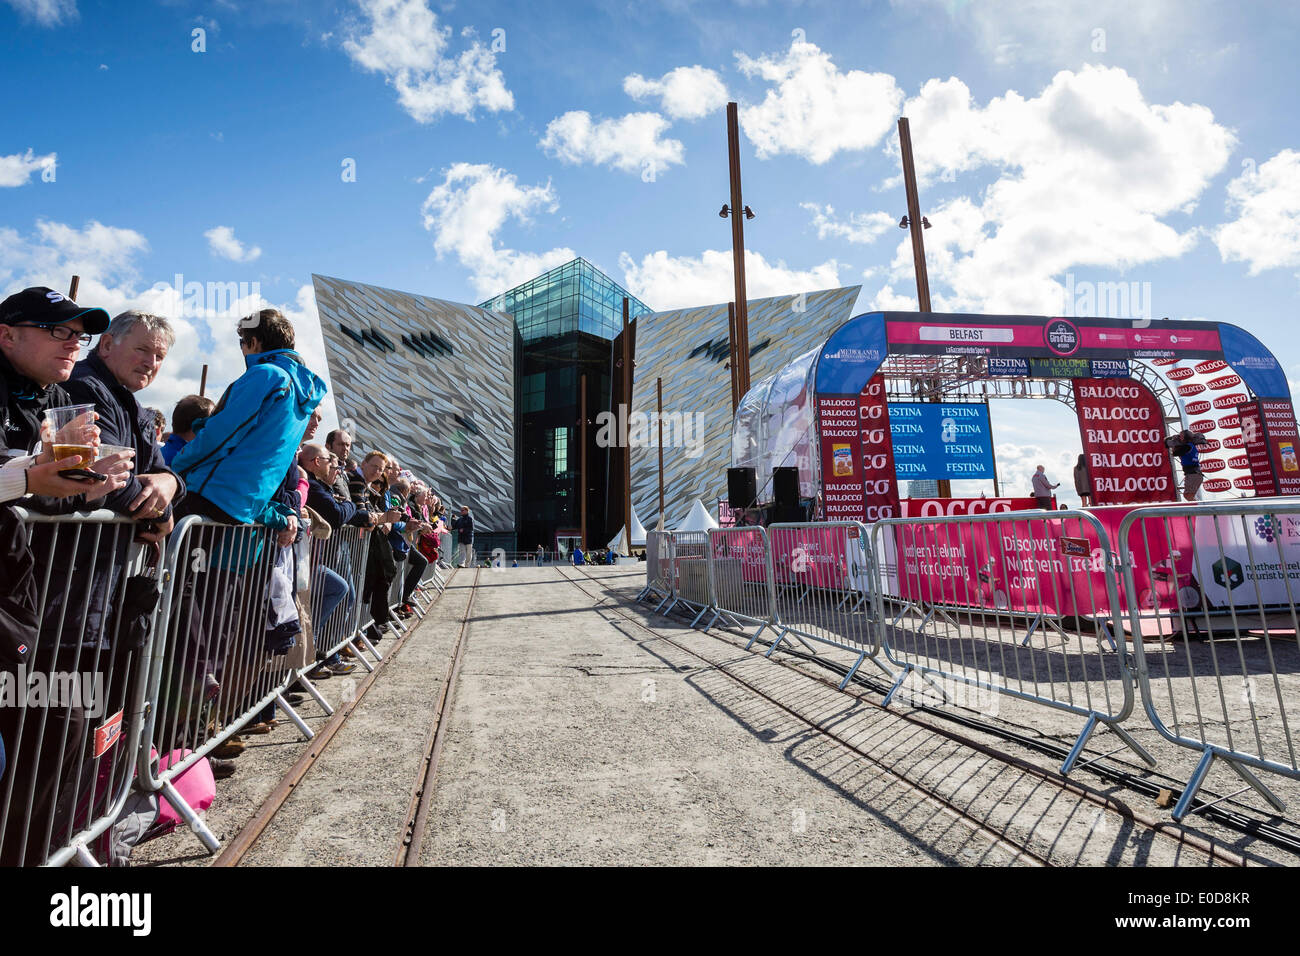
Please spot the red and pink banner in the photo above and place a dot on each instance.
(1122, 427)
(941, 507)
(745, 544)
(1257, 452)
(879, 481)
(1278, 419)
(815, 557)
(1052, 565)
(841, 451)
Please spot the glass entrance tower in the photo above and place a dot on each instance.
(565, 325)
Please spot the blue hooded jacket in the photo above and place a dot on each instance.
(241, 453)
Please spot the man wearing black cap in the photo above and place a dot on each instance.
(41, 334)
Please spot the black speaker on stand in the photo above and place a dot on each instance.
(785, 496)
(742, 488)
(785, 487)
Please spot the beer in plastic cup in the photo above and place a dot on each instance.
(69, 431)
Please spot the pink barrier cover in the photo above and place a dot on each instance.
(1053, 565)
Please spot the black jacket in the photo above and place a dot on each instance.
(334, 510)
(121, 422)
(22, 405)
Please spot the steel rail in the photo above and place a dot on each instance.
(408, 854)
(247, 838)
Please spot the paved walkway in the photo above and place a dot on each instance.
(576, 737)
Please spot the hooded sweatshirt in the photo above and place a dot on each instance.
(240, 454)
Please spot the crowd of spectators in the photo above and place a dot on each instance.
(250, 459)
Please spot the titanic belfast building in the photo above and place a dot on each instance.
(485, 400)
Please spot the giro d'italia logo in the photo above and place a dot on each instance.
(1061, 337)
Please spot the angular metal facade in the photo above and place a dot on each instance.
(431, 382)
(688, 349)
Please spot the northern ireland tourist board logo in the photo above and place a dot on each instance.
(1061, 337)
(1228, 573)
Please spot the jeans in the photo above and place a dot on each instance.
(332, 589)
(415, 565)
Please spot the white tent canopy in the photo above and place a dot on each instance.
(638, 536)
(698, 520)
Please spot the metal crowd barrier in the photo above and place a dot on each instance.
(76, 711)
(741, 578)
(1212, 587)
(820, 584)
(1022, 604)
(338, 559)
(658, 566)
(216, 665)
(690, 572)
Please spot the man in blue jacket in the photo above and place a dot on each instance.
(232, 469)
(240, 454)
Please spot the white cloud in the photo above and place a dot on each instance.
(106, 259)
(15, 170)
(815, 111)
(467, 210)
(1087, 173)
(1266, 232)
(673, 282)
(1070, 33)
(630, 143)
(688, 92)
(405, 43)
(47, 13)
(860, 227)
(223, 244)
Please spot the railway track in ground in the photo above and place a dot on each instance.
(1165, 829)
(247, 839)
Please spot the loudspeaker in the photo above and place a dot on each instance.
(741, 487)
(785, 487)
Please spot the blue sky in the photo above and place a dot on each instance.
(1152, 142)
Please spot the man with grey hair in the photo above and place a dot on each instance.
(126, 360)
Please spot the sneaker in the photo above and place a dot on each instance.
(222, 768)
(321, 672)
(341, 668)
(294, 698)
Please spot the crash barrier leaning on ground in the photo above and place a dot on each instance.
(658, 568)
(148, 658)
(72, 709)
(1040, 606)
(1023, 604)
(1229, 573)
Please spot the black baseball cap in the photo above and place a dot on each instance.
(41, 306)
